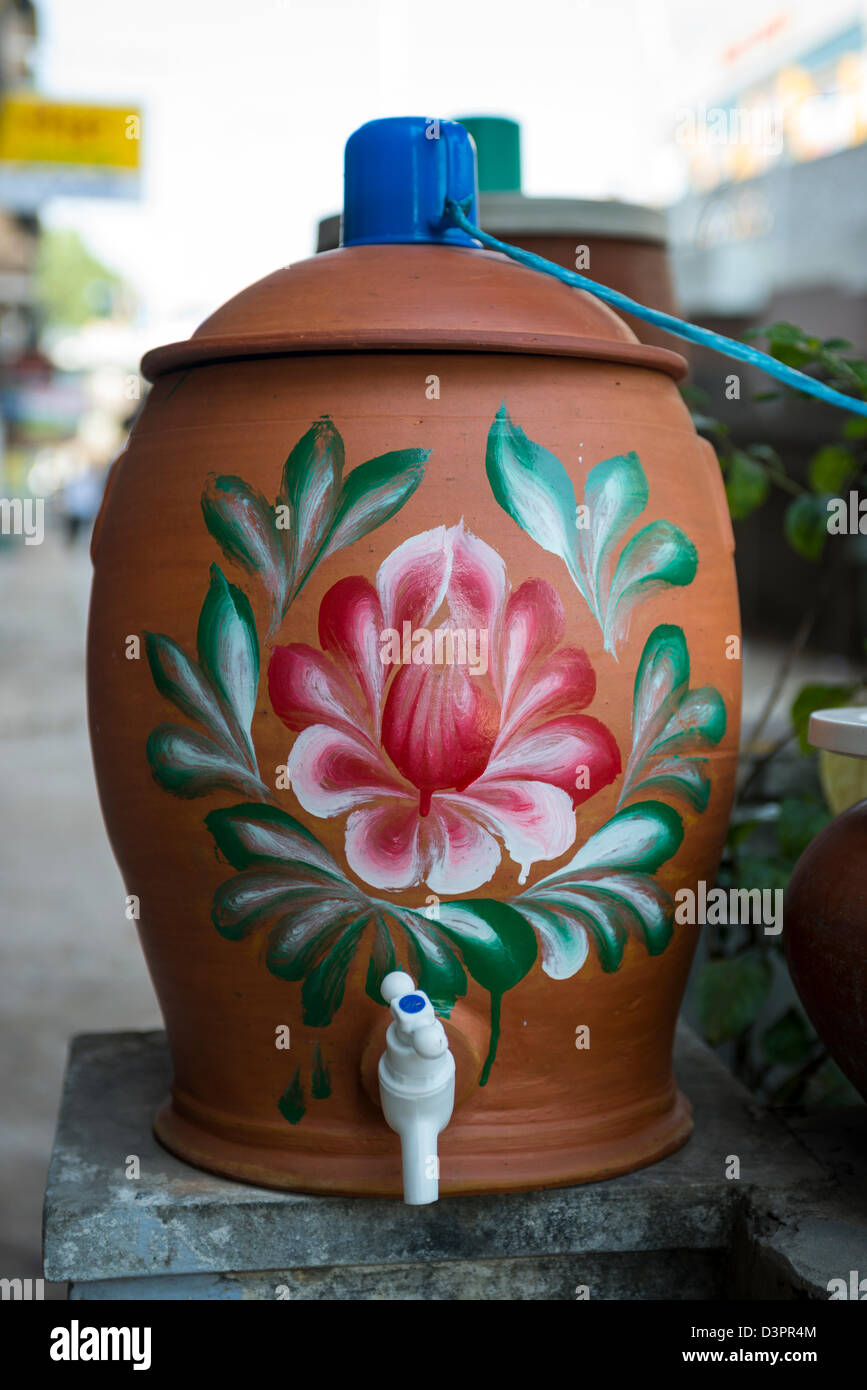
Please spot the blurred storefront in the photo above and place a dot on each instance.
(61, 422)
(773, 229)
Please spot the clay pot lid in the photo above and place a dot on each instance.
(407, 278)
(840, 731)
(410, 297)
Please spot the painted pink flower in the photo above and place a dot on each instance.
(436, 764)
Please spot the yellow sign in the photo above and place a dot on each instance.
(35, 131)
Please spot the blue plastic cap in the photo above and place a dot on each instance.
(411, 1003)
(398, 173)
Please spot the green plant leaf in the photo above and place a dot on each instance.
(829, 1087)
(806, 525)
(228, 649)
(788, 1042)
(243, 524)
(855, 428)
(187, 764)
(178, 678)
(730, 994)
(830, 469)
(760, 871)
(373, 493)
(812, 697)
(799, 822)
(747, 484)
(532, 485)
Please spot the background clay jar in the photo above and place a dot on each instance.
(825, 914)
(434, 436)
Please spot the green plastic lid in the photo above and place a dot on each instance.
(498, 145)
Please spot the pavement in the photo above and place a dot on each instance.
(69, 959)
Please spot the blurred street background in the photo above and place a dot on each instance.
(155, 160)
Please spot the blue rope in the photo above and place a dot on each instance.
(729, 347)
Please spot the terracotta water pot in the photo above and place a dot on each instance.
(411, 645)
(825, 913)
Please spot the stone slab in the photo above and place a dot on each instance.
(661, 1274)
(174, 1220)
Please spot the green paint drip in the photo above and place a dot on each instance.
(291, 1103)
(321, 1075)
(496, 1001)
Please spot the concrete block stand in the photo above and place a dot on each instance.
(794, 1219)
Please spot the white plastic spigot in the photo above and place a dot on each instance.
(416, 1084)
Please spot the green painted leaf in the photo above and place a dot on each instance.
(607, 892)
(830, 468)
(228, 649)
(606, 921)
(532, 485)
(291, 1104)
(730, 995)
(676, 776)
(382, 960)
(788, 1042)
(372, 494)
(806, 525)
(495, 942)
(323, 989)
(252, 835)
(321, 1075)
(307, 934)
(433, 963)
(242, 523)
(310, 487)
(615, 495)
(660, 681)
(179, 679)
(611, 906)
(699, 720)
(639, 838)
(747, 484)
(660, 555)
(669, 717)
(562, 936)
(498, 947)
(255, 896)
(188, 764)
